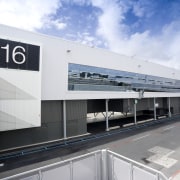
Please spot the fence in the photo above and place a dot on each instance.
(98, 165)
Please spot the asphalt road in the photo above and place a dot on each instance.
(157, 146)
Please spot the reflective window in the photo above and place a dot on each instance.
(90, 78)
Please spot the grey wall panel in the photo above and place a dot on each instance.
(148, 104)
(96, 105)
(165, 102)
(76, 117)
(160, 102)
(116, 105)
(175, 103)
(142, 104)
(51, 128)
(127, 106)
(52, 125)
(51, 111)
(11, 139)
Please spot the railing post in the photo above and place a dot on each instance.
(112, 167)
(96, 166)
(157, 176)
(104, 172)
(131, 175)
(40, 175)
(71, 170)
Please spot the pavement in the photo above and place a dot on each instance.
(156, 146)
(175, 176)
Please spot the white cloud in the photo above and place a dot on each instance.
(28, 14)
(142, 8)
(138, 10)
(110, 22)
(38, 14)
(87, 39)
(57, 23)
(163, 49)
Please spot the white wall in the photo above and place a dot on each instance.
(55, 59)
(20, 93)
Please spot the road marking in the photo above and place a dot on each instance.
(171, 127)
(161, 156)
(141, 137)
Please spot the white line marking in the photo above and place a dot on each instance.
(161, 156)
(171, 152)
(171, 127)
(141, 137)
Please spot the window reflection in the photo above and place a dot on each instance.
(90, 78)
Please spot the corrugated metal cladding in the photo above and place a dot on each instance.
(51, 125)
(175, 103)
(51, 128)
(76, 117)
(76, 114)
(98, 105)
(144, 104)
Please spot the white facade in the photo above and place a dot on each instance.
(20, 89)
(57, 53)
(30, 87)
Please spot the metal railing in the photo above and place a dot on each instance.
(98, 165)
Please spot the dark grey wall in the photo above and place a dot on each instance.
(143, 104)
(51, 128)
(116, 105)
(98, 105)
(51, 125)
(148, 104)
(52, 119)
(175, 103)
(76, 117)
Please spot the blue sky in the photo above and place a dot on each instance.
(145, 29)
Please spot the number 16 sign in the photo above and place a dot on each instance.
(18, 55)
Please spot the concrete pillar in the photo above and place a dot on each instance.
(155, 108)
(107, 119)
(64, 120)
(169, 107)
(135, 116)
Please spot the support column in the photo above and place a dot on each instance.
(107, 119)
(135, 116)
(155, 108)
(169, 107)
(64, 120)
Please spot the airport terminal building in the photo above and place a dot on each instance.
(48, 86)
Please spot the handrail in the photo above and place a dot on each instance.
(100, 163)
(52, 165)
(138, 164)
